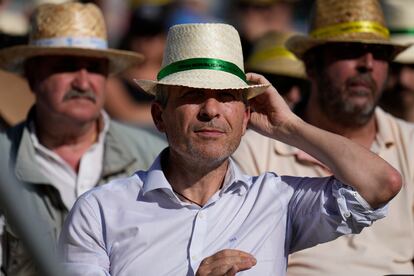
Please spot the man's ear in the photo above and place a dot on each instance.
(156, 112)
(246, 119)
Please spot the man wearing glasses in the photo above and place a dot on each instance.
(347, 55)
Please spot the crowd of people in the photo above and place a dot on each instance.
(161, 138)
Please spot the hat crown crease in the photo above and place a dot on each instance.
(68, 20)
(217, 41)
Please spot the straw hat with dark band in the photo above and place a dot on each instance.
(345, 21)
(270, 56)
(203, 56)
(67, 29)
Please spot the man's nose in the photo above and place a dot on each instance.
(210, 108)
(81, 80)
(366, 62)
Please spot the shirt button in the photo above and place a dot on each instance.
(347, 214)
(194, 257)
(201, 215)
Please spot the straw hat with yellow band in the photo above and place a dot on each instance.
(205, 56)
(360, 21)
(270, 56)
(399, 16)
(73, 29)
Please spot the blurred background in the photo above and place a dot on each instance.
(141, 25)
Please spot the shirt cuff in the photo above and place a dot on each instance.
(355, 211)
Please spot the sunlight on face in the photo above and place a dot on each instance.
(204, 125)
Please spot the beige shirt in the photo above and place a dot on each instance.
(384, 248)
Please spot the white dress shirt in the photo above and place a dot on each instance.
(138, 226)
(69, 183)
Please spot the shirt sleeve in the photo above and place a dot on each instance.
(81, 243)
(322, 209)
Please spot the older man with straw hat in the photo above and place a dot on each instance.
(194, 211)
(67, 144)
(346, 55)
(398, 97)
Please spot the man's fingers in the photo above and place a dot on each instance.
(230, 253)
(256, 78)
(226, 262)
(231, 267)
(233, 270)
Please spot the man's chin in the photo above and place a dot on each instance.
(82, 117)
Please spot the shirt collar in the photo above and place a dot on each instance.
(26, 168)
(235, 181)
(155, 178)
(384, 137)
(284, 149)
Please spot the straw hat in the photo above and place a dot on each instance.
(270, 56)
(344, 21)
(399, 16)
(203, 56)
(67, 29)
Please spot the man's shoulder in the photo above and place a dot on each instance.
(257, 140)
(394, 125)
(135, 135)
(116, 191)
(254, 143)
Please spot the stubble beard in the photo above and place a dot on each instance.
(209, 157)
(339, 109)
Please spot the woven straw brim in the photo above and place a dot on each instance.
(283, 67)
(204, 79)
(407, 56)
(12, 59)
(300, 44)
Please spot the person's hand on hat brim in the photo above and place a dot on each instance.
(270, 116)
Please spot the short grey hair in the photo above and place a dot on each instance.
(161, 94)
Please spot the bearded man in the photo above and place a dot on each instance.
(347, 55)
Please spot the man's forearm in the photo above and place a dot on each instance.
(370, 175)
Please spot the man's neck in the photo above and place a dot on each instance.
(361, 134)
(69, 140)
(195, 181)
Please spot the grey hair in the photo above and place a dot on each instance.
(161, 94)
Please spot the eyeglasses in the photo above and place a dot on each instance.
(357, 50)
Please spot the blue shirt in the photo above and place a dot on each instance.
(138, 226)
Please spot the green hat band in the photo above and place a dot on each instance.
(201, 63)
(402, 31)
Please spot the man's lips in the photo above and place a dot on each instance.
(211, 132)
(361, 88)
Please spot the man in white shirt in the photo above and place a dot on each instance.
(194, 212)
